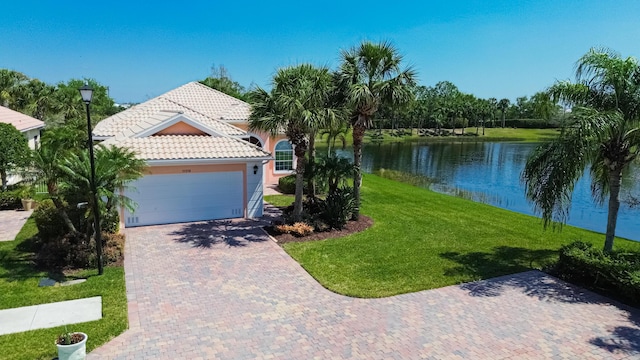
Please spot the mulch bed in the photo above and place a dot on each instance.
(352, 227)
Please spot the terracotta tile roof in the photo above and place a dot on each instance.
(174, 147)
(21, 121)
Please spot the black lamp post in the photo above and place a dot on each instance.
(87, 93)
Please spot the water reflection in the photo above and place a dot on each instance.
(490, 173)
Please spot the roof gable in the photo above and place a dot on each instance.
(180, 128)
(210, 107)
(171, 119)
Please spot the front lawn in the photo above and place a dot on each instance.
(19, 287)
(423, 240)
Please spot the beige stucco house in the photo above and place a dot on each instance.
(29, 127)
(203, 163)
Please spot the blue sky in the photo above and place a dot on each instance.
(142, 49)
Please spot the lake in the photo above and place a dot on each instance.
(489, 172)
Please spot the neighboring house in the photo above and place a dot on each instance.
(203, 164)
(29, 127)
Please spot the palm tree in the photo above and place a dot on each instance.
(115, 169)
(297, 104)
(334, 170)
(47, 163)
(493, 105)
(371, 77)
(335, 132)
(41, 99)
(605, 136)
(12, 88)
(503, 105)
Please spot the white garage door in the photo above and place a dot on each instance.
(166, 199)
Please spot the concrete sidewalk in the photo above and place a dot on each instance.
(50, 315)
(11, 222)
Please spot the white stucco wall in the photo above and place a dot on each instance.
(31, 135)
(254, 190)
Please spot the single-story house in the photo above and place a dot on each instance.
(203, 164)
(30, 127)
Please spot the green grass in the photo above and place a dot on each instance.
(507, 134)
(491, 134)
(19, 287)
(279, 200)
(424, 240)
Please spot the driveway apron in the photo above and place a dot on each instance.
(223, 290)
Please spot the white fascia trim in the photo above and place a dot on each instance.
(32, 128)
(174, 120)
(204, 161)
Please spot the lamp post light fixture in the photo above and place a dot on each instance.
(87, 94)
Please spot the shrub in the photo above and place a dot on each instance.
(10, 199)
(75, 251)
(110, 221)
(71, 250)
(338, 208)
(48, 220)
(113, 248)
(287, 184)
(297, 229)
(617, 273)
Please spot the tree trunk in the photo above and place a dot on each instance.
(483, 123)
(63, 214)
(358, 136)
(615, 180)
(311, 190)
(453, 126)
(52, 189)
(300, 163)
(503, 119)
(3, 174)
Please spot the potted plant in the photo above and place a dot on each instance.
(72, 346)
(26, 195)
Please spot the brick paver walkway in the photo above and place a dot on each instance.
(11, 221)
(222, 290)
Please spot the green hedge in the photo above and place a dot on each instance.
(616, 273)
(287, 184)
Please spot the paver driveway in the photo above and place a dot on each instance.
(223, 290)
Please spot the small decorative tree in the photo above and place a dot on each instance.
(14, 151)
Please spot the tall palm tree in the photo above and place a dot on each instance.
(605, 136)
(493, 105)
(12, 84)
(503, 105)
(41, 99)
(298, 104)
(371, 77)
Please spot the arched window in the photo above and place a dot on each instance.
(284, 156)
(255, 141)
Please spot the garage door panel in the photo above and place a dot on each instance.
(164, 199)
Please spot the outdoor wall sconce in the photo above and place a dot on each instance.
(255, 169)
